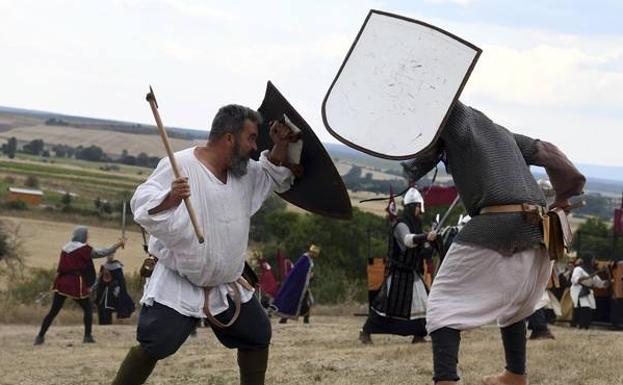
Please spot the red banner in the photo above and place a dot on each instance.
(618, 221)
(438, 195)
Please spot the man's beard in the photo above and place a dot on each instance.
(239, 162)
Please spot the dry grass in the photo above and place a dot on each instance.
(43, 240)
(33, 314)
(324, 352)
(375, 207)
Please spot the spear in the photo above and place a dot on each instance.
(151, 98)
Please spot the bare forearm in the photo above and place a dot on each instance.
(167, 204)
(279, 154)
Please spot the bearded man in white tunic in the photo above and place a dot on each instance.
(195, 280)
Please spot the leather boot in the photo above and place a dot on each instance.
(505, 378)
(135, 368)
(252, 365)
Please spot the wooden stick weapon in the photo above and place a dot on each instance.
(151, 98)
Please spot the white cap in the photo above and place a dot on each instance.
(413, 196)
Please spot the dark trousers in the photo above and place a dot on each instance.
(583, 317)
(161, 331)
(616, 313)
(57, 305)
(446, 342)
(537, 322)
(104, 316)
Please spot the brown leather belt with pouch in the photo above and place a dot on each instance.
(557, 235)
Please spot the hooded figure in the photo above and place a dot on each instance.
(294, 298)
(112, 293)
(74, 279)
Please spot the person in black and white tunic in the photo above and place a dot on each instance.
(400, 306)
(583, 280)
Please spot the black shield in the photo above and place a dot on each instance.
(320, 190)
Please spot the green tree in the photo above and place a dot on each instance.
(596, 236)
(10, 248)
(92, 153)
(34, 147)
(10, 147)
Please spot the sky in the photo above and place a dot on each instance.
(549, 69)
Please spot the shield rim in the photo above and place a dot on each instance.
(445, 118)
(347, 215)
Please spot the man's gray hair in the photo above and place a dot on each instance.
(230, 119)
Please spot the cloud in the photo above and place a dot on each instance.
(459, 2)
(550, 75)
(188, 8)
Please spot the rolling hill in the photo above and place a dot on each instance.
(115, 136)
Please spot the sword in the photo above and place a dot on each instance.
(445, 216)
(123, 223)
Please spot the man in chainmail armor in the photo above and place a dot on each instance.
(497, 268)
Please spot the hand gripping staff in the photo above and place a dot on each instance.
(151, 98)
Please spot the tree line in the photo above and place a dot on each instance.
(91, 153)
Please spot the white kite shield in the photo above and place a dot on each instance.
(397, 85)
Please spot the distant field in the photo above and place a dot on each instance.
(110, 141)
(43, 240)
(88, 181)
(84, 181)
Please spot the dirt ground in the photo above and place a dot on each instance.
(323, 352)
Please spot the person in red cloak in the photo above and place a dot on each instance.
(74, 279)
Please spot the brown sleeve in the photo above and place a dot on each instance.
(565, 178)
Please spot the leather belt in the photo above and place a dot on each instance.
(532, 213)
(237, 303)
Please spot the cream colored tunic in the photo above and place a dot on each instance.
(476, 286)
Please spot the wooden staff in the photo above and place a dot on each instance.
(151, 98)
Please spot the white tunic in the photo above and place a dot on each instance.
(588, 300)
(223, 211)
(476, 286)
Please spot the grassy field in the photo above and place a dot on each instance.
(43, 240)
(323, 352)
